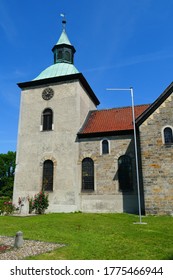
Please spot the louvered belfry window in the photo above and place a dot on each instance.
(47, 119)
(47, 184)
(88, 174)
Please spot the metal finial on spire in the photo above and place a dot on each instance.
(63, 21)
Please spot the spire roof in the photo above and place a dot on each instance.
(63, 58)
(57, 70)
(63, 39)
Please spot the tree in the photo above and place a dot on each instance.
(7, 169)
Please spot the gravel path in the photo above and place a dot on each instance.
(29, 248)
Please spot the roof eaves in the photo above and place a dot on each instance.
(64, 45)
(105, 133)
(89, 89)
(77, 76)
(34, 83)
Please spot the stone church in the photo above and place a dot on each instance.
(84, 157)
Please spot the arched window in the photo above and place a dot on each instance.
(47, 183)
(125, 173)
(88, 174)
(168, 138)
(105, 147)
(47, 119)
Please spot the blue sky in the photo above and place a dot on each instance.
(119, 43)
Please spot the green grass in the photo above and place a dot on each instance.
(96, 236)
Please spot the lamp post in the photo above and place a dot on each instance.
(135, 146)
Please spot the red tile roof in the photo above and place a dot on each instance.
(111, 120)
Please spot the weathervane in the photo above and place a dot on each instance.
(63, 21)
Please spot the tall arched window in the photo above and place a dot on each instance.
(88, 174)
(47, 119)
(168, 137)
(125, 173)
(105, 147)
(47, 184)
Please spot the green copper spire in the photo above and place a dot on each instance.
(63, 39)
(63, 50)
(63, 58)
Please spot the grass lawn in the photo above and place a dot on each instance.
(96, 236)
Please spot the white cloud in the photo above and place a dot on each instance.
(159, 55)
(138, 59)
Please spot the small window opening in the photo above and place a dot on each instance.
(105, 147)
(47, 119)
(168, 138)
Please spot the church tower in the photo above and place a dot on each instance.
(53, 108)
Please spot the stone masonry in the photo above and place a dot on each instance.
(157, 161)
(107, 197)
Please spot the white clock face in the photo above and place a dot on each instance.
(47, 93)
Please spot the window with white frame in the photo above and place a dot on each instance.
(47, 119)
(105, 147)
(168, 135)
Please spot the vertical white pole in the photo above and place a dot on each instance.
(136, 157)
(135, 147)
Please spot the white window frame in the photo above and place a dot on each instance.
(101, 152)
(163, 137)
(41, 125)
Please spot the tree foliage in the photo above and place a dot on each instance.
(7, 169)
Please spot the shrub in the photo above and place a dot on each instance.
(31, 204)
(40, 202)
(7, 208)
(2, 200)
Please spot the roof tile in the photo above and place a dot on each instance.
(111, 120)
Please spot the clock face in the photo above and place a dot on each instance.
(47, 93)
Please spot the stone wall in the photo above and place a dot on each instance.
(106, 196)
(157, 161)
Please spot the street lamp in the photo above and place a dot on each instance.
(135, 146)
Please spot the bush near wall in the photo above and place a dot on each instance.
(6, 205)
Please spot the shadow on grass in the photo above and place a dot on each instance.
(168, 256)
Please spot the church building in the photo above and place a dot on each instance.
(84, 157)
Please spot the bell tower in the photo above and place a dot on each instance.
(53, 108)
(63, 50)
